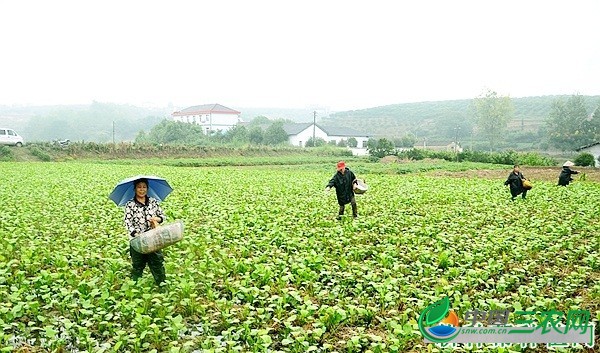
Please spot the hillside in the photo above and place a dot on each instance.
(439, 119)
(93, 122)
(299, 115)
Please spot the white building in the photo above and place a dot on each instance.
(212, 117)
(338, 134)
(300, 133)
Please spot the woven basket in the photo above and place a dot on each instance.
(360, 187)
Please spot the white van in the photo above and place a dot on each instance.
(10, 137)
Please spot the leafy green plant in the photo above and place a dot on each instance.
(265, 265)
(43, 156)
(6, 154)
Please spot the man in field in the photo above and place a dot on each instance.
(344, 181)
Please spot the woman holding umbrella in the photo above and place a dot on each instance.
(143, 213)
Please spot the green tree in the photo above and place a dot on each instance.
(352, 142)
(141, 137)
(237, 135)
(569, 124)
(275, 134)
(318, 142)
(371, 144)
(173, 132)
(491, 115)
(383, 148)
(407, 141)
(260, 120)
(255, 135)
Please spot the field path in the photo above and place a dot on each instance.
(532, 173)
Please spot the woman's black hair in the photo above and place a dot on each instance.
(142, 180)
(515, 166)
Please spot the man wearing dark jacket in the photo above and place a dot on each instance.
(515, 180)
(565, 175)
(343, 181)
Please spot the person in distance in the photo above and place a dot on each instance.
(565, 174)
(515, 181)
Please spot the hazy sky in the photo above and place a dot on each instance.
(295, 54)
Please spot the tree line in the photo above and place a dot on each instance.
(489, 121)
(260, 131)
(569, 125)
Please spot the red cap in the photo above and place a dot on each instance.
(341, 165)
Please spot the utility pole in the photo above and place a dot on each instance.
(314, 127)
(113, 137)
(456, 130)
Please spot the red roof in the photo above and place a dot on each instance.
(206, 109)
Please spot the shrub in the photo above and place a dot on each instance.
(475, 156)
(585, 160)
(318, 142)
(43, 156)
(535, 159)
(383, 148)
(506, 157)
(6, 154)
(414, 154)
(328, 150)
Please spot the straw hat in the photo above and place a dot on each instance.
(568, 164)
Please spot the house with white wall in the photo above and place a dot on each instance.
(212, 117)
(338, 134)
(300, 133)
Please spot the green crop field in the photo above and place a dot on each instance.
(265, 266)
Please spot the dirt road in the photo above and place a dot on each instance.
(532, 173)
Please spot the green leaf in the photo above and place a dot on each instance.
(437, 311)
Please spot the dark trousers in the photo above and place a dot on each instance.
(354, 208)
(155, 262)
(515, 194)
